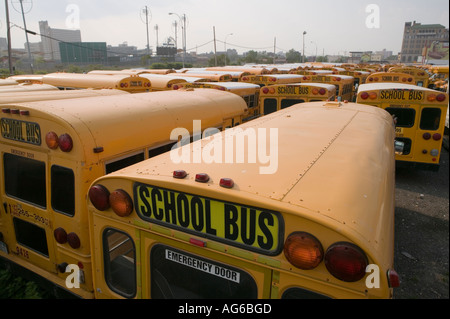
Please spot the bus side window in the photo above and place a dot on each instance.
(119, 255)
(405, 117)
(430, 118)
(160, 150)
(63, 190)
(124, 162)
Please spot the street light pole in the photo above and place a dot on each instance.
(303, 58)
(26, 36)
(183, 27)
(226, 53)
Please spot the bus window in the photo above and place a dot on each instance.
(404, 117)
(201, 279)
(31, 236)
(430, 119)
(119, 262)
(116, 165)
(289, 102)
(25, 179)
(270, 106)
(63, 190)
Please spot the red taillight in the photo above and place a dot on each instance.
(393, 278)
(426, 136)
(346, 261)
(52, 140)
(175, 87)
(440, 97)
(370, 79)
(410, 79)
(99, 196)
(65, 143)
(364, 95)
(265, 90)
(322, 91)
(60, 235)
(74, 240)
(121, 203)
(303, 250)
(437, 137)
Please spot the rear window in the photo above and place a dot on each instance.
(405, 117)
(63, 190)
(430, 119)
(25, 179)
(177, 274)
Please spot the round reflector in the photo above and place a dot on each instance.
(364, 95)
(60, 235)
(303, 250)
(52, 141)
(440, 97)
(426, 136)
(73, 240)
(65, 143)
(99, 196)
(437, 136)
(346, 261)
(121, 203)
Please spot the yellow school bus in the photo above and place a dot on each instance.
(421, 77)
(235, 75)
(360, 77)
(391, 77)
(210, 76)
(343, 84)
(162, 82)
(51, 151)
(308, 221)
(251, 70)
(27, 78)
(272, 79)
(129, 83)
(439, 77)
(8, 82)
(420, 114)
(12, 97)
(26, 87)
(248, 91)
(276, 97)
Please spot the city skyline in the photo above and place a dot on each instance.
(331, 28)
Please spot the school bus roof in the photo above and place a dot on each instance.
(335, 164)
(26, 87)
(125, 121)
(12, 97)
(8, 82)
(390, 86)
(92, 81)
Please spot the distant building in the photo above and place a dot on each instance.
(51, 38)
(83, 52)
(417, 36)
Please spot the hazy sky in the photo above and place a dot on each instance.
(333, 27)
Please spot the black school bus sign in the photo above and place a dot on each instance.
(21, 131)
(238, 225)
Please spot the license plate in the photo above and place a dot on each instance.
(235, 224)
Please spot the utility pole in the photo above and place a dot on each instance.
(215, 48)
(8, 30)
(274, 49)
(26, 36)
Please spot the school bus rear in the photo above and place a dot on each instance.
(420, 115)
(224, 230)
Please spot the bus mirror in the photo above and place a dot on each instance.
(399, 147)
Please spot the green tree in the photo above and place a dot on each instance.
(293, 56)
